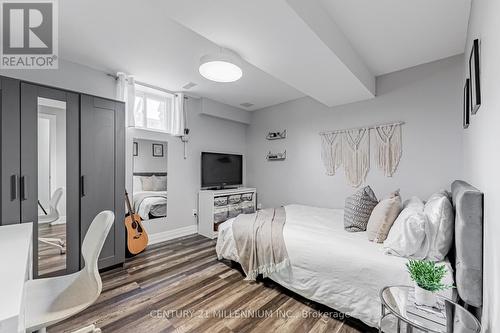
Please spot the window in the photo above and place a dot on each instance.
(152, 109)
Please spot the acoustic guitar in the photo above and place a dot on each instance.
(137, 238)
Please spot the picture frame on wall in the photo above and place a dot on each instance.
(135, 149)
(466, 106)
(474, 75)
(157, 150)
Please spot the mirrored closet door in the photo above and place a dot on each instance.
(149, 197)
(50, 172)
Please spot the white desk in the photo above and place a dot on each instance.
(15, 270)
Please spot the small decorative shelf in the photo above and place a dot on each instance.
(276, 156)
(276, 135)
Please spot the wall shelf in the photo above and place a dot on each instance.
(276, 156)
(276, 135)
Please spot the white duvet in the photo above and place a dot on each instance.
(154, 202)
(329, 265)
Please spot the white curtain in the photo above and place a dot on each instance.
(177, 121)
(125, 91)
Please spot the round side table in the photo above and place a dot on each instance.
(446, 317)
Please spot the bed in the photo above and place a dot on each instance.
(346, 272)
(146, 202)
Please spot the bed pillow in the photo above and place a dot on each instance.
(137, 186)
(383, 217)
(148, 183)
(358, 208)
(408, 235)
(159, 183)
(439, 212)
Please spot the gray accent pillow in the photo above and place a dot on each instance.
(358, 208)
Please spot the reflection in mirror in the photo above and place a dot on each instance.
(51, 186)
(149, 198)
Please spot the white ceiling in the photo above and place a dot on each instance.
(330, 50)
(138, 38)
(395, 34)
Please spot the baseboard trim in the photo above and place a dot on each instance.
(171, 234)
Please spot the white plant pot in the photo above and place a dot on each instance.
(424, 297)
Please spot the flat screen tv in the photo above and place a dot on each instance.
(220, 170)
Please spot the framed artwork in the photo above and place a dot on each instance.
(135, 149)
(474, 75)
(466, 106)
(157, 150)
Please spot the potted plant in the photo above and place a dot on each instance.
(428, 280)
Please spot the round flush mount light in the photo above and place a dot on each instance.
(224, 66)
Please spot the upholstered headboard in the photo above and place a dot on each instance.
(468, 203)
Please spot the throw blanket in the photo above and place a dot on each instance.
(259, 241)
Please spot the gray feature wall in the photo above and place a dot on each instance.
(482, 148)
(427, 97)
(145, 161)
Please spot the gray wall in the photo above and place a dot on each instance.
(145, 161)
(482, 148)
(427, 97)
(184, 176)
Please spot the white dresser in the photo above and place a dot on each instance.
(217, 206)
(15, 270)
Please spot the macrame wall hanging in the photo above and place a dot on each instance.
(331, 152)
(351, 147)
(389, 147)
(356, 155)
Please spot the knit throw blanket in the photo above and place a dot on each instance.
(259, 241)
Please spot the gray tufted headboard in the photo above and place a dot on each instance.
(468, 204)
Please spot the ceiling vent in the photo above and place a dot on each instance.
(246, 105)
(189, 85)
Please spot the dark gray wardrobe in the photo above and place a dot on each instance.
(92, 131)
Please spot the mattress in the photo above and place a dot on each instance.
(329, 265)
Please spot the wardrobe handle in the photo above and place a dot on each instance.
(13, 187)
(82, 185)
(24, 190)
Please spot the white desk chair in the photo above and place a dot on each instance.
(52, 300)
(52, 216)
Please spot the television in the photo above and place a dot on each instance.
(219, 170)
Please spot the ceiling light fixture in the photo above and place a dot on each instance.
(224, 66)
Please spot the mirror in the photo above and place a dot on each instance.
(51, 186)
(149, 197)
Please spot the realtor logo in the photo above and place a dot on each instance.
(29, 34)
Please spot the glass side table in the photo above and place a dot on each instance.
(446, 317)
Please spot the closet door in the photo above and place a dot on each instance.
(49, 170)
(10, 207)
(103, 171)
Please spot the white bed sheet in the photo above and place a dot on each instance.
(329, 265)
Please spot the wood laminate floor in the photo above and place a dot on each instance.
(180, 286)
(50, 259)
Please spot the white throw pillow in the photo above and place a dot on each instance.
(407, 237)
(441, 217)
(137, 184)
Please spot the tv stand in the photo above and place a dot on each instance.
(215, 206)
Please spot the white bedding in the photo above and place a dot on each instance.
(154, 202)
(329, 265)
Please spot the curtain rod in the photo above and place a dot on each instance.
(147, 85)
(362, 127)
